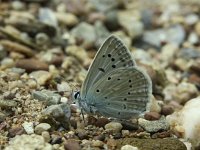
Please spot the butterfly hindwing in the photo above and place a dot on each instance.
(122, 93)
(113, 54)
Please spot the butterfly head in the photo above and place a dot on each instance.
(76, 96)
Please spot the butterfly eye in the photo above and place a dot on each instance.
(76, 94)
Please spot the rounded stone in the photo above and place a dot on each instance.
(128, 147)
(113, 126)
(42, 127)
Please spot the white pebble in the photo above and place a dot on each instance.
(42, 127)
(128, 147)
(28, 127)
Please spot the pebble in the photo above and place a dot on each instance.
(78, 52)
(82, 135)
(28, 127)
(130, 22)
(167, 110)
(41, 39)
(17, 5)
(7, 63)
(197, 28)
(67, 19)
(100, 137)
(125, 133)
(154, 126)
(167, 35)
(97, 143)
(103, 6)
(47, 16)
(31, 65)
(81, 32)
(49, 97)
(41, 76)
(2, 116)
(113, 127)
(56, 139)
(28, 142)
(128, 147)
(64, 87)
(152, 116)
(46, 136)
(7, 103)
(186, 122)
(42, 127)
(15, 131)
(72, 145)
(16, 47)
(3, 52)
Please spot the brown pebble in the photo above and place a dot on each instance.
(56, 139)
(32, 65)
(111, 144)
(100, 137)
(72, 145)
(152, 116)
(195, 79)
(73, 123)
(83, 135)
(91, 120)
(15, 131)
(161, 135)
(101, 122)
(93, 17)
(16, 47)
(167, 110)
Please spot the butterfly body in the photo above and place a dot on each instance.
(115, 86)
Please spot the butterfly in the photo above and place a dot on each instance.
(114, 86)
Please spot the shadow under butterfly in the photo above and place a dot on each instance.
(114, 86)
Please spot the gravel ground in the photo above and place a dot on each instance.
(46, 48)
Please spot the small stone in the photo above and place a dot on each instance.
(100, 137)
(64, 87)
(152, 116)
(167, 110)
(101, 122)
(46, 136)
(103, 6)
(41, 76)
(7, 103)
(3, 52)
(197, 28)
(129, 20)
(15, 131)
(81, 32)
(42, 127)
(154, 126)
(47, 16)
(41, 39)
(82, 135)
(56, 139)
(111, 143)
(49, 97)
(191, 19)
(17, 5)
(129, 125)
(28, 127)
(97, 143)
(28, 142)
(67, 19)
(72, 145)
(7, 63)
(16, 47)
(113, 126)
(128, 147)
(91, 120)
(2, 117)
(125, 133)
(161, 135)
(31, 65)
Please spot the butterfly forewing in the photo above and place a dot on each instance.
(122, 93)
(112, 55)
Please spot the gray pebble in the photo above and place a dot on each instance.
(42, 127)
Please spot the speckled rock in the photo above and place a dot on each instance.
(41, 76)
(155, 144)
(72, 145)
(28, 142)
(154, 126)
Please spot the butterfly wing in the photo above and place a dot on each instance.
(122, 93)
(113, 54)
